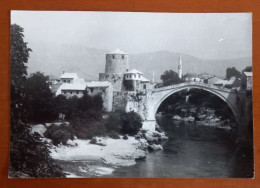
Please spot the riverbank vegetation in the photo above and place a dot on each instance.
(29, 155)
(32, 102)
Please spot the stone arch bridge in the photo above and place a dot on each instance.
(236, 100)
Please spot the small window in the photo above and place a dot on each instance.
(71, 92)
(144, 86)
(68, 81)
(135, 76)
(77, 92)
(91, 89)
(123, 57)
(65, 92)
(139, 76)
(64, 81)
(113, 56)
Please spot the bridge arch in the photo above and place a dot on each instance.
(196, 87)
(160, 94)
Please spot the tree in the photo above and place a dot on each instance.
(29, 156)
(248, 69)
(40, 100)
(170, 77)
(230, 72)
(131, 123)
(61, 106)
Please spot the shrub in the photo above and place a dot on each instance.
(86, 129)
(124, 122)
(131, 123)
(113, 135)
(59, 133)
(113, 123)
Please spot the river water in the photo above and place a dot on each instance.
(195, 151)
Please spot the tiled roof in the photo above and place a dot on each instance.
(134, 71)
(143, 79)
(117, 51)
(226, 82)
(73, 86)
(82, 85)
(248, 73)
(98, 84)
(69, 75)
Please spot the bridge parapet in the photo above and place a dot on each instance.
(200, 84)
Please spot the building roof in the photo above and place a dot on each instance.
(226, 82)
(117, 51)
(83, 85)
(98, 84)
(143, 79)
(248, 73)
(134, 71)
(74, 86)
(69, 75)
(55, 87)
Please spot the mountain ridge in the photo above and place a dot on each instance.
(89, 62)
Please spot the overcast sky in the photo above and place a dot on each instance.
(205, 35)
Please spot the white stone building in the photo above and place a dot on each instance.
(72, 85)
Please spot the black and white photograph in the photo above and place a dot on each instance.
(131, 94)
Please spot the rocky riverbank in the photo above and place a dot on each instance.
(102, 155)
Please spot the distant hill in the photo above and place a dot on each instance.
(87, 62)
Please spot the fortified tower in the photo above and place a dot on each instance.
(116, 66)
(116, 62)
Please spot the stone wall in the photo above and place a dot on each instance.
(131, 101)
(106, 94)
(115, 79)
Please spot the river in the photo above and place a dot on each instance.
(194, 151)
(190, 151)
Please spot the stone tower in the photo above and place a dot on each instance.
(180, 67)
(116, 62)
(116, 66)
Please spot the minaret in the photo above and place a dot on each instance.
(153, 76)
(180, 67)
